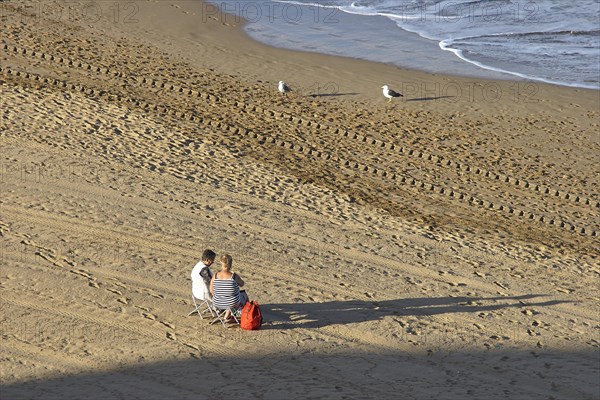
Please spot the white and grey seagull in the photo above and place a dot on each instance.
(389, 93)
(283, 88)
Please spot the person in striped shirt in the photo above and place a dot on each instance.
(225, 287)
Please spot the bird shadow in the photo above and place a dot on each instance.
(431, 98)
(317, 315)
(331, 94)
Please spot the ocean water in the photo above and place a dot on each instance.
(555, 41)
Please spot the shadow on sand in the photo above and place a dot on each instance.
(315, 315)
(334, 374)
(432, 98)
(305, 364)
(332, 94)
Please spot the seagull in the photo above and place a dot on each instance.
(389, 93)
(283, 88)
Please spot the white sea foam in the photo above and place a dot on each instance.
(555, 41)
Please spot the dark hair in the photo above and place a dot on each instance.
(208, 255)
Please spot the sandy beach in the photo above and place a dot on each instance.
(442, 246)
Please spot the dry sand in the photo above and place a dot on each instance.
(433, 248)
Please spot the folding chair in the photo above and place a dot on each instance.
(220, 315)
(202, 299)
(202, 305)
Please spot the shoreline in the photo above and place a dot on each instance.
(419, 81)
(321, 32)
(341, 78)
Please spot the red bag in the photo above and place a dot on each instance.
(251, 317)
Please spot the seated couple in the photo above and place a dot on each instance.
(223, 288)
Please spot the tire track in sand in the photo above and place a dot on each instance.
(411, 150)
(507, 209)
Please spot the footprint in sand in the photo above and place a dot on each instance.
(501, 285)
(296, 317)
(81, 272)
(156, 295)
(192, 346)
(562, 290)
(529, 312)
(119, 284)
(401, 322)
(149, 316)
(70, 262)
(167, 324)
